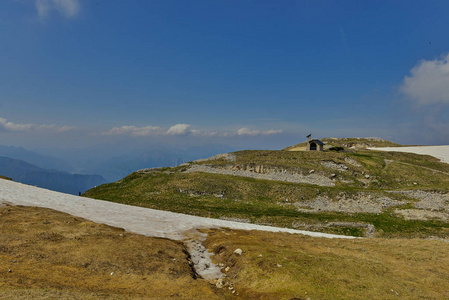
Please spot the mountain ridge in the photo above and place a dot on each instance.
(24, 172)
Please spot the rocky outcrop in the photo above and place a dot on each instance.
(352, 161)
(263, 172)
(428, 200)
(335, 166)
(430, 205)
(200, 256)
(358, 203)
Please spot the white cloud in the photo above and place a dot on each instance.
(272, 131)
(134, 131)
(182, 130)
(10, 126)
(63, 128)
(179, 129)
(5, 125)
(68, 8)
(428, 82)
(246, 131)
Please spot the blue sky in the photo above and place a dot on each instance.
(246, 73)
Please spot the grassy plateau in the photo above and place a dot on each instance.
(367, 175)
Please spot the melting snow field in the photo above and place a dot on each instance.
(146, 221)
(441, 152)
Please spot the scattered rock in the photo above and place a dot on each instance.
(388, 161)
(278, 174)
(238, 251)
(220, 283)
(200, 256)
(227, 269)
(356, 203)
(428, 200)
(333, 165)
(352, 161)
(367, 176)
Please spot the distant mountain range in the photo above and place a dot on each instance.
(119, 165)
(39, 160)
(24, 172)
(54, 168)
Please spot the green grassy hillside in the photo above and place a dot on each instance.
(351, 142)
(351, 192)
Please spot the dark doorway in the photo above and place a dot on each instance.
(312, 146)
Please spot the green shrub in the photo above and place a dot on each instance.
(337, 148)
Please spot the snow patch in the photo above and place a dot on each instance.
(145, 221)
(440, 152)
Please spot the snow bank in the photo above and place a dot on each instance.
(146, 221)
(440, 152)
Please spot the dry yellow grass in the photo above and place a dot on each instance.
(285, 266)
(297, 149)
(48, 255)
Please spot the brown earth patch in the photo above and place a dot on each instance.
(47, 254)
(292, 266)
